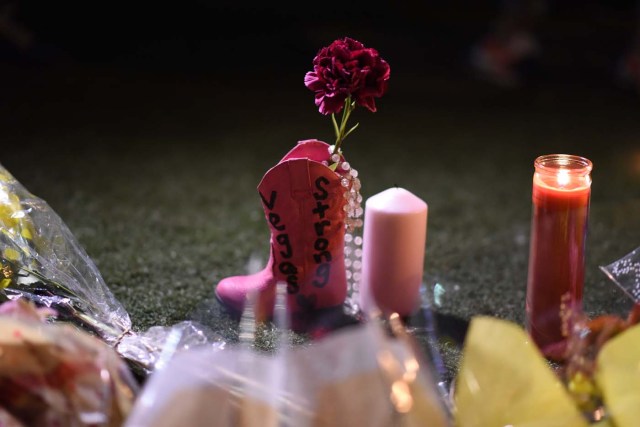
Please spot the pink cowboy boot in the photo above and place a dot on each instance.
(304, 204)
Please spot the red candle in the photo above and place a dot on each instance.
(561, 192)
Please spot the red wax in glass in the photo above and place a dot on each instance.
(557, 249)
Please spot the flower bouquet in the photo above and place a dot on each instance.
(41, 261)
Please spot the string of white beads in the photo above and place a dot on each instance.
(353, 225)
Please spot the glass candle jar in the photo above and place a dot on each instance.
(561, 194)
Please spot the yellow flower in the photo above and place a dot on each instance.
(14, 220)
(11, 254)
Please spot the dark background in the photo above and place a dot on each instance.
(123, 67)
(250, 36)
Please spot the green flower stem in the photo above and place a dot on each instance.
(17, 268)
(105, 331)
(341, 131)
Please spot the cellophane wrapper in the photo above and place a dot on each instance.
(41, 260)
(58, 375)
(625, 273)
(357, 376)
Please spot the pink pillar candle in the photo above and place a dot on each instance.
(394, 238)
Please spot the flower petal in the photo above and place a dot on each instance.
(347, 68)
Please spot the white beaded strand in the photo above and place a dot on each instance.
(353, 226)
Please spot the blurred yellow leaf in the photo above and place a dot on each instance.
(505, 381)
(11, 254)
(14, 220)
(6, 215)
(618, 375)
(27, 233)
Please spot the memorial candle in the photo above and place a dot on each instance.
(561, 193)
(394, 237)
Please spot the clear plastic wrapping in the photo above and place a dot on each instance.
(41, 260)
(355, 376)
(625, 273)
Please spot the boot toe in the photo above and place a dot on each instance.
(231, 293)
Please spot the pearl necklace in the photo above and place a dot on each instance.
(353, 225)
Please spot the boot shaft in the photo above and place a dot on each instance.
(303, 201)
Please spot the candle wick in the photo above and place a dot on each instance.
(395, 185)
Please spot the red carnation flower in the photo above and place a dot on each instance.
(346, 68)
(346, 74)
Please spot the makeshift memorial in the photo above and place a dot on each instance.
(41, 260)
(58, 375)
(561, 192)
(395, 233)
(312, 200)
